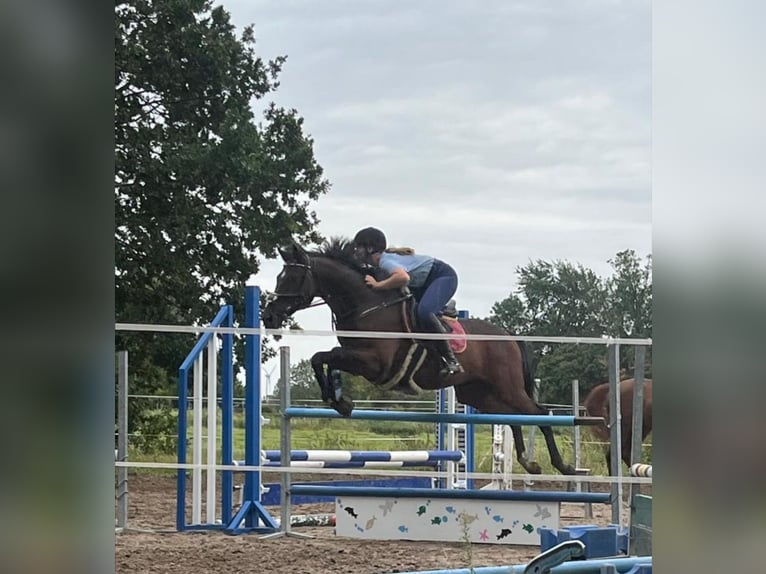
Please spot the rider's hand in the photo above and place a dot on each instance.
(370, 281)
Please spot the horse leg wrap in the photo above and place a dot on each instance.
(336, 383)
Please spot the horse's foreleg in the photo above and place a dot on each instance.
(336, 360)
(553, 450)
(317, 364)
(521, 452)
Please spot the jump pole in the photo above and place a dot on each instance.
(477, 418)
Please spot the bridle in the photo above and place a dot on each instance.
(305, 301)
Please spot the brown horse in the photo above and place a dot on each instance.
(597, 405)
(496, 376)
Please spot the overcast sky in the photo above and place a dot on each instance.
(486, 134)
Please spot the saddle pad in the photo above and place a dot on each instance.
(458, 345)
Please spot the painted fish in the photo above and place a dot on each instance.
(351, 511)
(504, 533)
(497, 518)
(421, 510)
(450, 509)
(370, 523)
(387, 506)
(529, 528)
(403, 528)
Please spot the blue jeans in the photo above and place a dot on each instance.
(436, 292)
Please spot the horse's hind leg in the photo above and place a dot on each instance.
(553, 450)
(521, 454)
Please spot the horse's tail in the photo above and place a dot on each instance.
(527, 368)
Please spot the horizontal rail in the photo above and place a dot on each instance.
(520, 495)
(377, 464)
(152, 328)
(491, 419)
(367, 455)
(397, 473)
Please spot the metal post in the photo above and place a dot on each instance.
(638, 405)
(122, 439)
(615, 435)
(588, 507)
(532, 433)
(576, 412)
(638, 410)
(285, 497)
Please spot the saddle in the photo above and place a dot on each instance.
(448, 318)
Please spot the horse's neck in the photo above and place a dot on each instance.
(343, 289)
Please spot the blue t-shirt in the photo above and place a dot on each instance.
(417, 266)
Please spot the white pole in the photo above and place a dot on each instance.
(616, 432)
(212, 431)
(122, 438)
(576, 413)
(507, 457)
(451, 466)
(197, 442)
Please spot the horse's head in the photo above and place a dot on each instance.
(295, 289)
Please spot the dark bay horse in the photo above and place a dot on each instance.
(597, 405)
(496, 377)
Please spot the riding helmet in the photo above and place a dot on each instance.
(371, 238)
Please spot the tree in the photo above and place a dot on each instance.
(200, 187)
(562, 299)
(629, 303)
(629, 299)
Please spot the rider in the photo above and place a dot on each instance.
(432, 282)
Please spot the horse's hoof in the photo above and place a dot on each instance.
(534, 468)
(343, 407)
(568, 469)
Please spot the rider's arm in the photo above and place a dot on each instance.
(398, 278)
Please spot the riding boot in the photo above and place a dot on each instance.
(451, 364)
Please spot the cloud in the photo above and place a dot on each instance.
(487, 134)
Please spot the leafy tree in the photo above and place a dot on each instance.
(200, 185)
(629, 303)
(561, 299)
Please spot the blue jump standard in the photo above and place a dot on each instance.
(493, 419)
(520, 495)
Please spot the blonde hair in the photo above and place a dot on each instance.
(401, 250)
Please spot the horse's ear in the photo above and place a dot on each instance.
(293, 253)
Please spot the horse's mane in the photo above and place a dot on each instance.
(340, 249)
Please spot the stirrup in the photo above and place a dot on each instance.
(451, 369)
